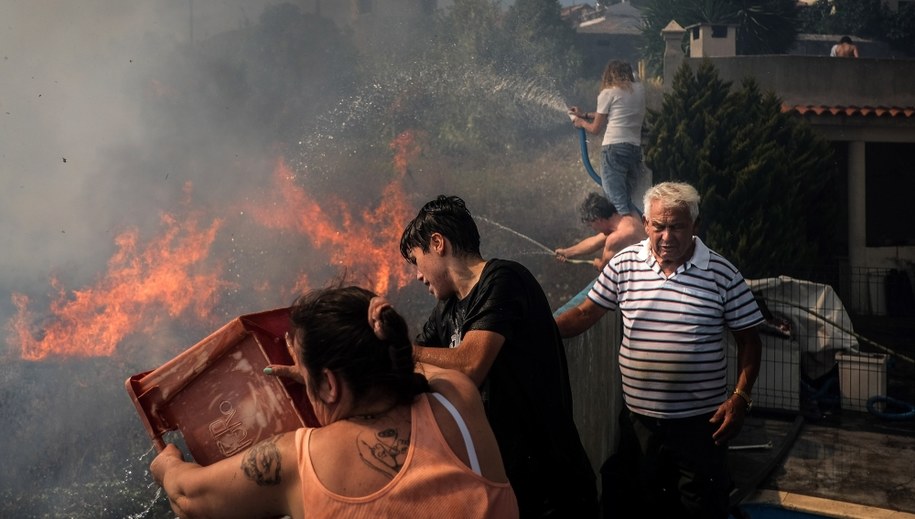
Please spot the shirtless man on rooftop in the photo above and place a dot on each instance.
(844, 49)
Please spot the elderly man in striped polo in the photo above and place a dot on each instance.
(677, 299)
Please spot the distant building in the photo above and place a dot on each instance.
(575, 14)
(712, 40)
(608, 32)
(866, 108)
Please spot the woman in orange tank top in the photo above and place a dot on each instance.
(393, 442)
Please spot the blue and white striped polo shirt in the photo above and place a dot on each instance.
(672, 357)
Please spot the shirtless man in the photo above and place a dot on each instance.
(844, 49)
(614, 232)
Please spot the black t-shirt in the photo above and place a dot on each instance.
(527, 395)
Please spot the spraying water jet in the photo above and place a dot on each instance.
(531, 240)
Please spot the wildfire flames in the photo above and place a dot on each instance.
(174, 274)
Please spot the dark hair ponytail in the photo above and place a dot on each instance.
(333, 329)
(406, 381)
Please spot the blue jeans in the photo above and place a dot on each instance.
(620, 165)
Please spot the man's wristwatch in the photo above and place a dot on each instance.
(746, 398)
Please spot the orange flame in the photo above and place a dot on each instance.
(405, 150)
(175, 274)
(368, 246)
(168, 274)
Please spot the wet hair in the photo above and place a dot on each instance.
(596, 207)
(333, 331)
(448, 216)
(617, 74)
(673, 194)
(845, 39)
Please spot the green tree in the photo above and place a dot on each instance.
(863, 18)
(490, 73)
(543, 44)
(763, 26)
(764, 175)
(295, 64)
(472, 29)
(463, 64)
(900, 29)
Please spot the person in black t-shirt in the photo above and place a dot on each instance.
(493, 322)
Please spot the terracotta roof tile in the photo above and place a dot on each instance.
(863, 111)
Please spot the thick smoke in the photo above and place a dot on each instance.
(79, 167)
(112, 118)
(75, 160)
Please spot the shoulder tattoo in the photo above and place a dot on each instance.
(262, 463)
(383, 451)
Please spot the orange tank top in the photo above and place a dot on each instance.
(432, 483)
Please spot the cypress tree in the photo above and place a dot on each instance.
(762, 173)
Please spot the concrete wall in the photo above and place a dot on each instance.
(596, 389)
(825, 80)
(821, 45)
(703, 43)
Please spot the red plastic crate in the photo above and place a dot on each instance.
(216, 394)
